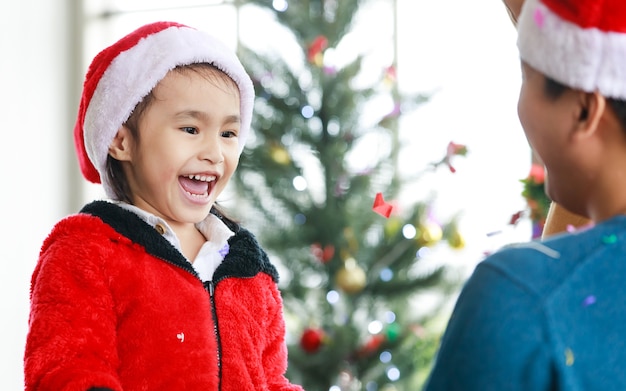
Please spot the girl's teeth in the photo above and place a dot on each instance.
(203, 195)
(201, 178)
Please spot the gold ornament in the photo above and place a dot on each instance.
(280, 155)
(393, 225)
(456, 240)
(351, 278)
(429, 233)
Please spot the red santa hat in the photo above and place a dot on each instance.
(580, 43)
(121, 75)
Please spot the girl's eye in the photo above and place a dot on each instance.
(189, 129)
(229, 134)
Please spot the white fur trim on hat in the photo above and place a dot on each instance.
(588, 58)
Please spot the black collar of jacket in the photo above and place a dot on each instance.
(245, 258)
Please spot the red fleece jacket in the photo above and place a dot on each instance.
(115, 307)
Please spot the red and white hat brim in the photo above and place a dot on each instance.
(585, 58)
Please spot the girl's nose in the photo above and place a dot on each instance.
(212, 150)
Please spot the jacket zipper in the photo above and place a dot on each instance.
(210, 287)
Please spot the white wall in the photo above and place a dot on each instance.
(35, 92)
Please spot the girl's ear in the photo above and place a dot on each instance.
(120, 148)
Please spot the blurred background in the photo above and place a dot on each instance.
(412, 99)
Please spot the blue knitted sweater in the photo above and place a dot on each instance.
(541, 316)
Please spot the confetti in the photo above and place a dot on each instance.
(381, 207)
(539, 17)
(494, 233)
(516, 217)
(610, 239)
(453, 150)
(589, 300)
(569, 357)
(224, 250)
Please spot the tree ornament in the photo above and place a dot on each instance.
(279, 154)
(454, 237)
(393, 331)
(392, 227)
(456, 240)
(323, 253)
(371, 346)
(312, 339)
(351, 278)
(315, 52)
(536, 199)
(429, 233)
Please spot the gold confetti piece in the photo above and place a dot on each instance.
(569, 357)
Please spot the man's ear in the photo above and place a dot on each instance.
(592, 106)
(120, 147)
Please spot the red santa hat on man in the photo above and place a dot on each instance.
(579, 43)
(121, 75)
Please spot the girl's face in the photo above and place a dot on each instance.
(187, 147)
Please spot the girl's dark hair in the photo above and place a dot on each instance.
(554, 89)
(114, 170)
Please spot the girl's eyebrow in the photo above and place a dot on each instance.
(195, 114)
(203, 116)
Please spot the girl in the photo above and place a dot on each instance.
(156, 289)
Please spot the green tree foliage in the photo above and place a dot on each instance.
(349, 274)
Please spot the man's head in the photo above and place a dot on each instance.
(571, 102)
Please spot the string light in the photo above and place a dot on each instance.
(332, 297)
(409, 231)
(280, 5)
(299, 183)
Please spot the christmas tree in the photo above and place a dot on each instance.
(351, 261)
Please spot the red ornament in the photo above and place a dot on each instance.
(315, 50)
(323, 254)
(537, 174)
(311, 340)
(371, 346)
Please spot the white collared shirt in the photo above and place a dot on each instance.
(211, 253)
